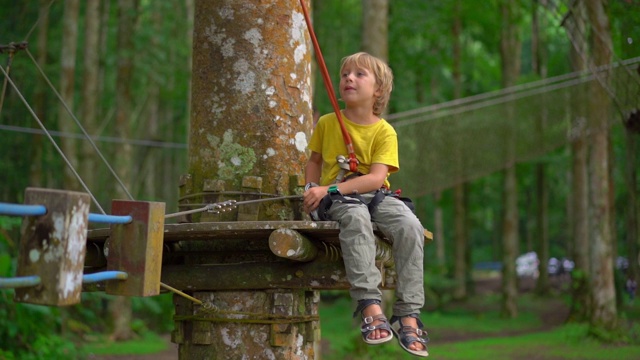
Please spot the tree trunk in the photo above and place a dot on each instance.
(90, 93)
(127, 11)
(148, 159)
(375, 42)
(438, 236)
(631, 181)
(510, 245)
(604, 312)
(67, 77)
(581, 299)
(542, 193)
(460, 242)
(251, 116)
(510, 49)
(375, 28)
(631, 169)
(36, 177)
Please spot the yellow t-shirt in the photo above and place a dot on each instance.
(373, 144)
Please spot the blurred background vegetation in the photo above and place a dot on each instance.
(435, 63)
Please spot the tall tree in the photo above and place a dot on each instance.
(120, 306)
(149, 122)
(510, 49)
(67, 78)
(438, 235)
(460, 191)
(632, 138)
(375, 28)
(36, 176)
(90, 93)
(604, 312)
(539, 64)
(375, 41)
(575, 24)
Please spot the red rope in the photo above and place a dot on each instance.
(353, 162)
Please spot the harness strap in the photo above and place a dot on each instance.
(328, 200)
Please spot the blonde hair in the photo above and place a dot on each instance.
(381, 71)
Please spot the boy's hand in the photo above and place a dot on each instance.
(313, 196)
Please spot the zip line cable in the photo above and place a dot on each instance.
(51, 139)
(38, 21)
(87, 136)
(107, 139)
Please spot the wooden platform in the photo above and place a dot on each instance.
(236, 255)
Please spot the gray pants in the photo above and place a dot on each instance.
(405, 231)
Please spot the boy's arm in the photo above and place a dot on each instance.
(312, 171)
(313, 168)
(362, 184)
(366, 183)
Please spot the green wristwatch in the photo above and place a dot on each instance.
(333, 189)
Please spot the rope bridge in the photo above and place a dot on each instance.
(466, 139)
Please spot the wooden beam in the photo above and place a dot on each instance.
(316, 275)
(292, 245)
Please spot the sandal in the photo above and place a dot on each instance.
(408, 334)
(366, 327)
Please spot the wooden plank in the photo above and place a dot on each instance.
(53, 245)
(136, 248)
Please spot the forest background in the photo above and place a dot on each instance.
(465, 73)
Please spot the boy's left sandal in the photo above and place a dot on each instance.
(408, 335)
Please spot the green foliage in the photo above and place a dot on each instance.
(421, 55)
(438, 287)
(31, 331)
(155, 313)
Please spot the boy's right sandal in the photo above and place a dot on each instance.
(408, 334)
(367, 329)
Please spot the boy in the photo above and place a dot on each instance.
(365, 87)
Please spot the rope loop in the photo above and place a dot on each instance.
(12, 47)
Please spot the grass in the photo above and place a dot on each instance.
(565, 342)
(149, 343)
(475, 330)
(469, 331)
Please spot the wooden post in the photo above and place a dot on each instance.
(52, 246)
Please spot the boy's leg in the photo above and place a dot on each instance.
(358, 249)
(404, 229)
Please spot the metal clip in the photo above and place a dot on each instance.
(343, 163)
